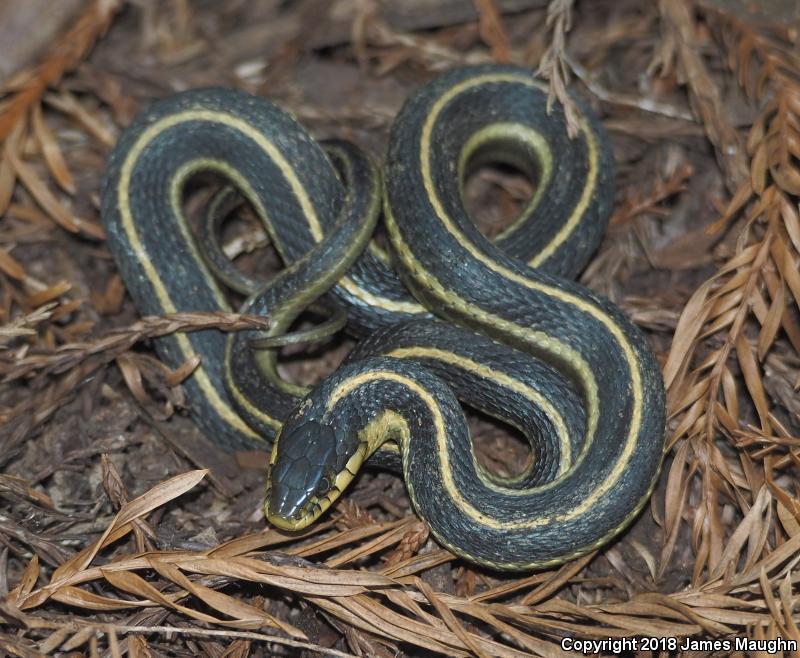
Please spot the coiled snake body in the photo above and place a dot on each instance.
(497, 324)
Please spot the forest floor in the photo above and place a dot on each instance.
(124, 530)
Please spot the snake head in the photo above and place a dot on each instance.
(311, 465)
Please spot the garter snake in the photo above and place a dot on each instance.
(498, 324)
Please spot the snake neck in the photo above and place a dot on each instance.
(389, 430)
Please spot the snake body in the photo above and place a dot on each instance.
(498, 325)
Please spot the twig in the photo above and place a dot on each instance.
(114, 343)
(623, 99)
(553, 66)
(492, 31)
(640, 202)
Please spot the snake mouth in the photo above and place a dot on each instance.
(292, 523)
(293, 517)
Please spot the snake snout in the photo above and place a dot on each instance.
(301, 477)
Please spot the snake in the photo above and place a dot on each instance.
(446, 316)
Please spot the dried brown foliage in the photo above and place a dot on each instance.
(492, 30)
(723, 559)
(553, 65)
(680, 43)
(24, 129)
(57, 372)
(648, 202)
(25, 91)
(390, 601)
(735, 321)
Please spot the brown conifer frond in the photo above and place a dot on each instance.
(733, 322)
(553, 65)
(23, 124)
(640, 202)
(394, 606)
(60, 371)
(679, 45)
(66, 53)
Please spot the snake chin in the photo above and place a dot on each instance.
(302, 519)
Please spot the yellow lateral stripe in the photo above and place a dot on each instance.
(425, 145)
(387, 423)
(380, 253)
(521, 133)
(596, 313)
(348, 385)
(175, 190)
(504, 380)
(574, 219)
(581, 367)
(314, 226)
(244, 401)
(212, 395)
(580, 208)
(376, 300)
(165, 302)
(535, 337)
